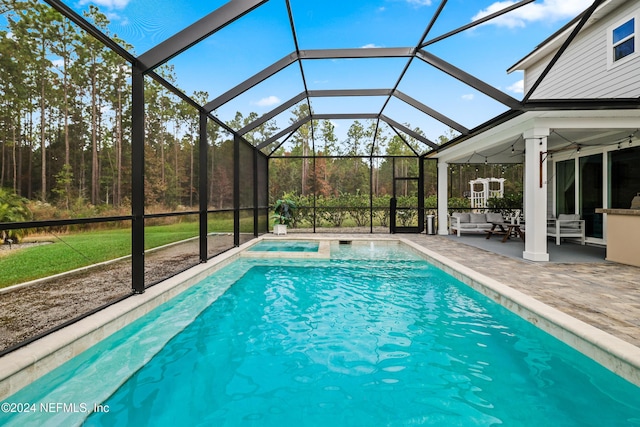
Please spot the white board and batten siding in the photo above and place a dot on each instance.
(584, 71)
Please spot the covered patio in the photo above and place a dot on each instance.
(541, 140)
(558, 254)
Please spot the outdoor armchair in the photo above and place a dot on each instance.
(566, 225)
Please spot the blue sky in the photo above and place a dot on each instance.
(259, 39)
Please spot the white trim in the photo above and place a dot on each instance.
(611, 64)
(605, 192)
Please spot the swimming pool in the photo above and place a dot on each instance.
(285, 246)
(373, 336)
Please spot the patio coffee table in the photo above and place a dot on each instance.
(512, 229)
(493, 230)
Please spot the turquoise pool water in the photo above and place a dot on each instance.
(285, 246)
(375, 336)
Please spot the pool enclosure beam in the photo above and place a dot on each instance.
(358, 53)
(430, 59)
(281, 143)
(297, 56)
(107, 41)
(236, 191)
(404, 140)
(327, 93)
(137, 180)
(344, 116)
(469, 80)
(475, 23)
(409, 132)
(251, 82)
(273, 113)
(352, 93)
(203, 183)
(183, 40)
(431, 112)
(310, 94)
(583, 20)
(282, 133)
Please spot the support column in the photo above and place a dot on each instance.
(255, 193)
(236, 191)
(137, 180)
(535, 194)
(443, 197)
(203, 191)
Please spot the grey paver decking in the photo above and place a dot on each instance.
(605, 295)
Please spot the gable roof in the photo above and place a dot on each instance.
(555, 41)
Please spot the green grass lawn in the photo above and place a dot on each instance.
(71, 251)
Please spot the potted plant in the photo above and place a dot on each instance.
(283, 212)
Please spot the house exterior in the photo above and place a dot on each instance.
(578, 135)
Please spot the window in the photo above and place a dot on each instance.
(624, 177)
(566, 187)
(591, 196)
(624, 40)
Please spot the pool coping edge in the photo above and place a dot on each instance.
(23, 366)
(613, 353)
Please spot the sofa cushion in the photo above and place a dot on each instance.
(484, 226)
(464, 217)
(569, 220)
(478, 218)
(495, 217)
(468, 226)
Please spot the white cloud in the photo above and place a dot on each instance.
(110, 4)
(369, 46)
(547, 10)
(59, 63)
(267, 102)
(113, 17)
(420, 2)
(517, 87)
(468, 97)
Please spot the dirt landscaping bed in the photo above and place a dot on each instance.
(28, 311)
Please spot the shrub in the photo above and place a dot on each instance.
(507, 205)
(13, 208)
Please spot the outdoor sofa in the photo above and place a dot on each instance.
(463, 222)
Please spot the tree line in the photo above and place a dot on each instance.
(65, 129)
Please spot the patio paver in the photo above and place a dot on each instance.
(603, 295)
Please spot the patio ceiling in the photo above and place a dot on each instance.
(570, 131)
(415, 91)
